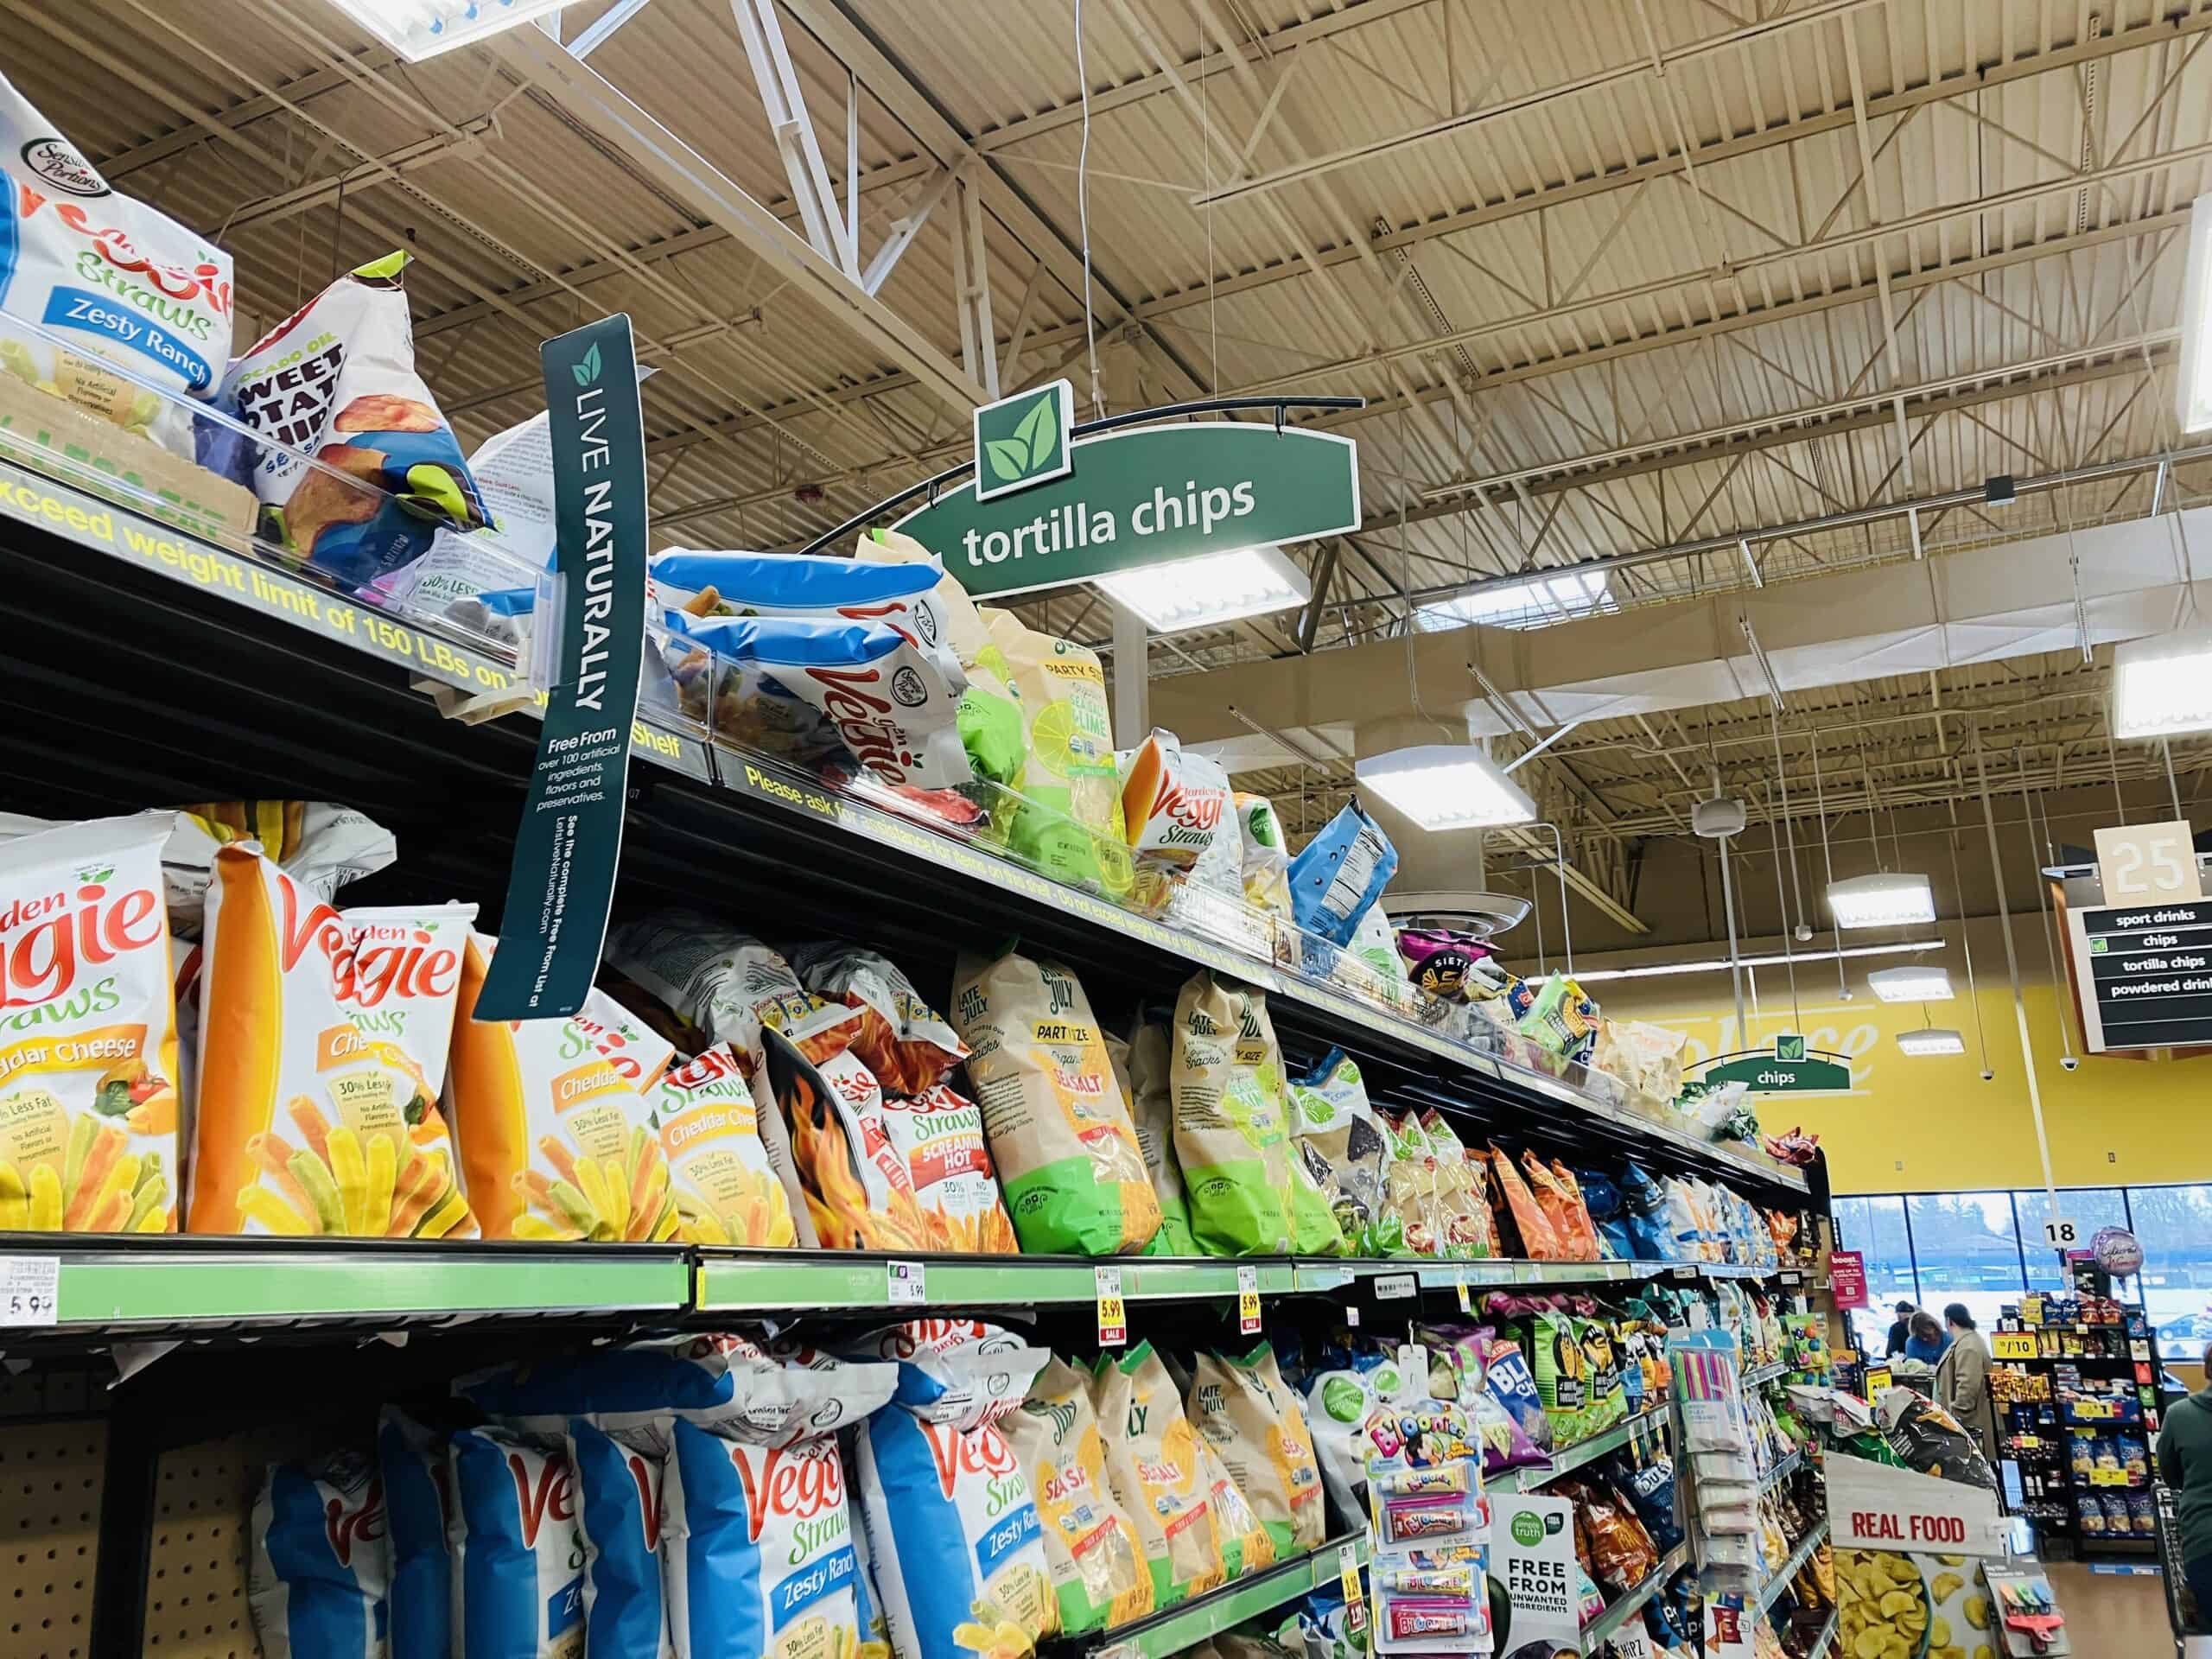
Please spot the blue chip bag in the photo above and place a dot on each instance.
(518, 1547)
(618, 1478)
(1340, 874)
(411, 1460)
(316, 1587)
(1513, 1385)
(952, 1526)
(1645, 1203)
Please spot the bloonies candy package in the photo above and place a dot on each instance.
(125, 285)
(342, 1022)
(952, 1528)
(88, 1051)
(336, 380)
(1059, 1127)
(322, 1565)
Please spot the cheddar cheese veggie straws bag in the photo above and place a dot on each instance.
(88, 1049)
(556, 1140)
(334, 1029)
(726, 1190)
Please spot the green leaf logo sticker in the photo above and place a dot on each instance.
(1021, 440)
(587, 369)
(1009, 458)
(1789, 1048)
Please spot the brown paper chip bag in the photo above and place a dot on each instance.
(1244, 1411)
(1157, 1468)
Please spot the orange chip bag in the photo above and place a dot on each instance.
(940, 1135)
(334, 1029)
(556, 1138)
(1539, 1239)
(1552, 1199)
(1582, 1231)
(859, 1190)
(900, 1037)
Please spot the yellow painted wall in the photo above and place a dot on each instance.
(1931, 1124)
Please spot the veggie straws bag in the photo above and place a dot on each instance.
(321, 1567)
(858, 1190)
(556, 1137)
(518, 1548)
(940, 1134)
(349, 1031)
(1059, 1127)
(726, 1192)
(90, 1146)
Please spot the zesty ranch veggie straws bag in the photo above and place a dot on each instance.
(321, 1563)
(347, 1029)
(518, 1548)
(555, 1138)
(88, 1051)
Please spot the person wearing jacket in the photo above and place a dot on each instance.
(1926, 1343)
(2185, 1466)
(1900, 1332)
(1963, 1378)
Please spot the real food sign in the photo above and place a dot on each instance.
(1124, 500)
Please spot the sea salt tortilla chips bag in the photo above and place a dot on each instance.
(557, 1139)
(1097, 1563)
(1152, 1108)
(1157, 1470)
(940, 1135)
(725, 1188)
(334, 1028)
(1059, 1127)
(1240, 1404)
(88, 1046)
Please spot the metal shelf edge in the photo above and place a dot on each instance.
(1607, 1624)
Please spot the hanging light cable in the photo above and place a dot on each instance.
(1827, 865)
(1965, 938)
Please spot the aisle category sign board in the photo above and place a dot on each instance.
(2145, 974)
(561, 885)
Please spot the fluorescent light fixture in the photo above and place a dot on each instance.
(1935, 1039)
(422, 28)
(1882, 900)
(1447, 786)
(2163, 686)
(1520, 605)
(1212, 588)
(1719, 964)
(1921, 982)
(2193, 370)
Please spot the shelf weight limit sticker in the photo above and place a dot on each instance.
(1248, 1301)
(1113, 1317)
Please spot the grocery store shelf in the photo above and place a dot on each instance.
(1568, 1458)
(735, 1281)
(1782, 1472)
(325, 707)
(1196, 1620)
(122, 1287)
(1772, 1587)
(1826, 1638)
(1607, 1624)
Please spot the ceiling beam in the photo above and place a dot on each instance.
(314, 83)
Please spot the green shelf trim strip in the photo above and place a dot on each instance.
(1603, 1628)
(750, 1283)
(1821, 1642)
(1567, 1459)
(1209, 1615)
(1773, 1587)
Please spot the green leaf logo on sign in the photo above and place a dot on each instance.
(587, 368)
(1788, 1047)
(1023, 440)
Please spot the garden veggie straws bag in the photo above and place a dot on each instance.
(859, 1191)
(900, 1037)
(1239, 1403)
(88, 1049)
(1250, 1194)
(347, 1032)
(322, 1565)
(1154, 1466)
(719, 1174)
(951, 1526)
(337, 380)
(1097, 1562)
(1067, 1155)
(556, 1137)
(122, 282)
(621, 1478)
(518, 1548)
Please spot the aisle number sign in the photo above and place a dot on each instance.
(1112, 1316)
(2148, 863)
(2062, 1234)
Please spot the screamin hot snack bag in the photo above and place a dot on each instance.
(88, 1051)
(336, 380)
(314, 1028)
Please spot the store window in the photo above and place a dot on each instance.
(1875, 1228)
(1966, 1248)
(2174, 1226)
(2087, 1207)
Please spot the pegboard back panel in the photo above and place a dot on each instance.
(50, 1479)
(203, 1506)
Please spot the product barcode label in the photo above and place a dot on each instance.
(1392, 1286)
(30, 1290)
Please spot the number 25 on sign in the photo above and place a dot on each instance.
(2148, 864)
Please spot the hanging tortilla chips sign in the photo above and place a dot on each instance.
(1138, 496)
(562, 881)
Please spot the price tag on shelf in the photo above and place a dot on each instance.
(1395, 1286)
(1351, 1317)
(1248, 1301)
(1790, 1276)
(2090, 1411)
(1465, 1306)
(1877, 1378)
(905, 1284)
(1685, 1272)
(2107, 1476)
(2012, 1344)
(2140, 1350)
(1113, 1318)
(30, 1290)
(1355, 1603)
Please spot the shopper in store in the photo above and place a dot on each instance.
(1962, 1377)
(2185, 1464)
(1900, 1332)
(1925, 1342)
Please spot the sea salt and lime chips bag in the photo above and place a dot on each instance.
(1158, 1472)
(1097, 1563)
(1240, 1405)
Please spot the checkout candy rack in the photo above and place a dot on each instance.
(161, 652)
